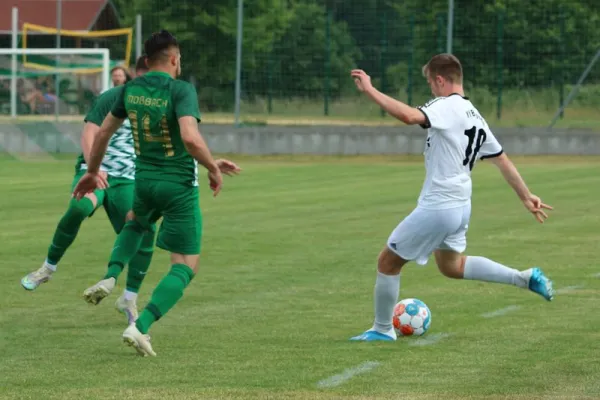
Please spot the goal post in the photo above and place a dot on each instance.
(14, 53)
(91, 35)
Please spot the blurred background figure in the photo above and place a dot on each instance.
(119, 76)
(37, 95)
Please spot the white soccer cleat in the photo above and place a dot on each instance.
(34, 279)
(136, 339)
(127, 307)
(100, 290)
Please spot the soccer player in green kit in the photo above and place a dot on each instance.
(118, 166)
(164, 115)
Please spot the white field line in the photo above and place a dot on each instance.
(428, 339)
(500, 312)
(568, 289)
(348, 374)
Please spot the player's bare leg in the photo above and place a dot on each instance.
(65, 234)
(387, 289)
(459, 266)
(166, 294)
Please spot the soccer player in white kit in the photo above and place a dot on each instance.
(457, 136)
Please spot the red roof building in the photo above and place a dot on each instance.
(77, 15)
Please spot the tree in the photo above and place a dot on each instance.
(312, 52)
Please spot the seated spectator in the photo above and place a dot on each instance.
(32, 96)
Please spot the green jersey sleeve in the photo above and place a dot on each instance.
(118, 109)
(185, 100)
(92, 111)
(102, 106)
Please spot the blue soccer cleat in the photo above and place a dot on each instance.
(540, 284)
(374, 336)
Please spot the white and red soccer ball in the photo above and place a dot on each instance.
(411, 318)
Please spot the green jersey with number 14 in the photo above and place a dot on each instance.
(154, 103)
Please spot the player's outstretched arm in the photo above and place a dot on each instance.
(405, 113)
(92, 179)
(227, 167)
(512, 176)
(195, 145)
(90, 130)
(87, 139)
(100, 141)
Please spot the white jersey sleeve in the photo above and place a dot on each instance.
(491, 147)
(436, 114)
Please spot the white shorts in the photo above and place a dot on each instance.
(424, 231)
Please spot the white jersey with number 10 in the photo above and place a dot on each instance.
(457, 136)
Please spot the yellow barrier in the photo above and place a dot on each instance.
(82, 34)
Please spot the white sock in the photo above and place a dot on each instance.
(387, 289)
(51, 267)
(129, 295)
(483, 269)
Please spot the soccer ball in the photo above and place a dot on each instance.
(411, 318)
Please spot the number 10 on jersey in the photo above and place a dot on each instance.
(479, 140)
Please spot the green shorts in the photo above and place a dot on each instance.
(178, 204)
(117, 199)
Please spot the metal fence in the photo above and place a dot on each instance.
(520, 59)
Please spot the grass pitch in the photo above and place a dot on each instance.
(287, 277)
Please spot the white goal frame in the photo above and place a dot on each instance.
(105, 53)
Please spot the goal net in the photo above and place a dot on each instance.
(58, 88)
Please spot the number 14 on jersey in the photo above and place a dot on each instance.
(162, 135)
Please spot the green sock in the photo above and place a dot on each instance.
(126, 246)
(140, 263)
(167, 293)
(67, 228)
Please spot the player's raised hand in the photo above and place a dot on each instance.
(227, 167)
(216, 181)
(361, 79)
(88, 183)
(535, 206)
